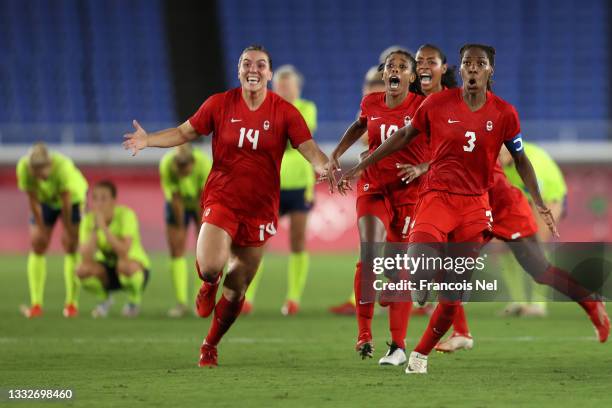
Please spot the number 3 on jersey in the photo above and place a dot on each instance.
(386, 133)
(471, 142)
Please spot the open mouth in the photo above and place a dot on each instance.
(472, 81)
(253, 80)
(394, 82)
(425, 79)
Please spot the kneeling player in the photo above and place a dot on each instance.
(112, 256)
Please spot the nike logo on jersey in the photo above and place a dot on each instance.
(453, 121)
(374, 117)
(235, 120)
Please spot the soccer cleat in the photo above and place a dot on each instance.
(601, 321)
(395, 356)
(417, 363)
(208, 356)
(130, 310)
(31, 312)
(70, 310)
(178, 311)
(205, 300)
(533, 311)
(247, 308)
(426, 310)
(512, 309)
(101, 310)
(455, 342)
(365, 347)
(290, 308)
(345, 309)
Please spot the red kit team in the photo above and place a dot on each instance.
(432, 164)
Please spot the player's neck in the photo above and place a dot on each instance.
(254, 99)
(393, 101)
(433, 90)
(475, 100)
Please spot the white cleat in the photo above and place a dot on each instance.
(533, 310)
(130, 310)
(454, 343)
(102, 309)
(178, 311)
(395, 356)
(417, 363)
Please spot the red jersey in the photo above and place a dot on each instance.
(382, 122)
(247, 147)
(464, 144)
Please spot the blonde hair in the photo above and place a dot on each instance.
(38, 155)
(183, 156)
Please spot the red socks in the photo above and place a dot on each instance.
(460, 325)
(440, 322)
(399, 313)
(226, 313)
(365, 311)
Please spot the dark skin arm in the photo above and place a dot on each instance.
(394, 143)
(525, 170)
(352, 134)
(409, 172)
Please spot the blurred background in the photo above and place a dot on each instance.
(75, 73)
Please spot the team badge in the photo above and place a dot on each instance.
(366, 187)
(407, 120)
(266, 125)
(207, 212)
(489, 126)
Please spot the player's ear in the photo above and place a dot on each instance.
(412, 77)
(444, 68)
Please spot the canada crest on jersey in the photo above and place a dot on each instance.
(407, 120)
(266, 125)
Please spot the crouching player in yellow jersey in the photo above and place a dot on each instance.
(112, 256)
(55, 187)
(554, 193)
(297, 180)
(183, 172)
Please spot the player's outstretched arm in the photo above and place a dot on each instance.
(525, 170)
(311, 152)
(354, 132)
(139, 139)
(394, 143)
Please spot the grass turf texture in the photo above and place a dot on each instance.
(270, 360)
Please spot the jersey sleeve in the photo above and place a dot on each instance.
(129, 225)
(203, 121)
(362, 117)
(24, 180)
(422, 116)
(168, 185)
(297, 130)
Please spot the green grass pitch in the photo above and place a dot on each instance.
(270, 360)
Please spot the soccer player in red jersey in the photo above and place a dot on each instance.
(250, 127)
(514, 223)
(466, 128)
(384, 205)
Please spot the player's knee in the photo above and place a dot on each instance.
(84, 270)
(69, 244)
(39, 244)
(127, 267)
(208, 270)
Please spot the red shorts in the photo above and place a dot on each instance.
(244, 231)
(397, 220)
(452, 217)
(399, 227)
(512, 214)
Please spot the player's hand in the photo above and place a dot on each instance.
(331, 167)
(409, 172)
(548, 218)
(344, 184)
(100, 221)
(135, 141)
